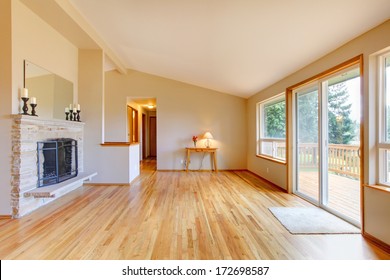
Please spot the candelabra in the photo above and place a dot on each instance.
(74, 115)
(78, 115)
(25, 107)
(71, 114)
(33, 110)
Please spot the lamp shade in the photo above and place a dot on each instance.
(208, 135)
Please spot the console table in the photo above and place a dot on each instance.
(212, 152)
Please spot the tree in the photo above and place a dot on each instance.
(308, 117)
(275, 120)
(341, 128)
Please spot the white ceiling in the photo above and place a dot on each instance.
(234, 46)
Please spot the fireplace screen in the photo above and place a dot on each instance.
(57, 161)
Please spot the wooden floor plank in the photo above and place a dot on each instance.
(173, 215)
(343, 193)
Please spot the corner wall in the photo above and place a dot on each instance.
(5, 106)
(367, 44)
(24, 35)
(183, 110)
(33, 39)
(110, 162)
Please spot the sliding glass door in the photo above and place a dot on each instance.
(307, 157)
(327, 139)
(342, 192)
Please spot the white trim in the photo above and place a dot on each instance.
(382, 145)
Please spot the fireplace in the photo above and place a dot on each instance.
(57, 161)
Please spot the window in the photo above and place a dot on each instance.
(384, 131)
(272, 128)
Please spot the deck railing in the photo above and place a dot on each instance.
(342, 159)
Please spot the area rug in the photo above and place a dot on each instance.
(311, 220)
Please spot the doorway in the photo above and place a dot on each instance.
(146, 109)
(327, 140)
(153, 136)
(143, 155)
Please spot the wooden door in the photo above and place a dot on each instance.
(153, 136)
(143, 136)
(132, 120)
(129, 123)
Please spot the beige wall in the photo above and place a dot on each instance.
(377, 214)
(25, 36)
(183, 110)
(5, 106)
(366, 44)
(91, 82)
(34, 40)
(112, 163)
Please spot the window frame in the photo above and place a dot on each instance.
(382, 146)
(260, 130)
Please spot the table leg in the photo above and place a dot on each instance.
(215, 161)
(188, 160)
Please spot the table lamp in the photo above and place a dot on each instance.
(208, 136)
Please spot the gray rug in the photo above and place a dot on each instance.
(311, 220)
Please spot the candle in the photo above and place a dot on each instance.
(71, 107)
(75, 107)
(66, 110)
(78, 107)
(33, 100)
(24, 93)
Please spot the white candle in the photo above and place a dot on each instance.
(66, 110)
(75, 107)
(24, 92)
(78, 107)
(70, 106)
(33, 100)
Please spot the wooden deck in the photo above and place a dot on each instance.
(344, 193)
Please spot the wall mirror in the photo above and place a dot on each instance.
(53, 92)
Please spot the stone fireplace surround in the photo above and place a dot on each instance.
(26, 132)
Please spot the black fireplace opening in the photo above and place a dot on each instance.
(57, 161)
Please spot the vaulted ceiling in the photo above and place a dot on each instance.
(234, 46)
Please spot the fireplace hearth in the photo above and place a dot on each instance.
(57, 161)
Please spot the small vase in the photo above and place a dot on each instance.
(195, 144)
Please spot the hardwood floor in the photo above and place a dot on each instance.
(173, 215)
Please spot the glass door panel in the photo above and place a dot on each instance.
(342, 191)
(307, 138)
